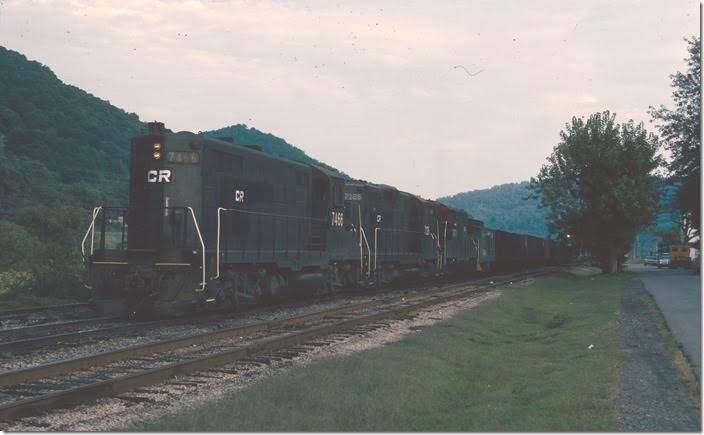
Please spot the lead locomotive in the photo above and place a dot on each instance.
(211, 223)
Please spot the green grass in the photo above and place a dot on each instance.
(584, 271)
(517, 363)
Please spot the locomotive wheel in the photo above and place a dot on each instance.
(273, 285)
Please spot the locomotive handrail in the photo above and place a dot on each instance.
(363, 236)
(376, 250)
(369, 251)
(444, 254)
(273, 214)
(217, 246)
(91, 231)
(476, 246)
(202, 246)
(398, 230)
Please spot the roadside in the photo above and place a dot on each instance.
(655, 394)
(677, 293)
(541, 357)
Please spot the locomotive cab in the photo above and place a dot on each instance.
(153, 249)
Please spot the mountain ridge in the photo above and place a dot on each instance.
(508, 207)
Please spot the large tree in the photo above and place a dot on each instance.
(680, 133)
(599, 185)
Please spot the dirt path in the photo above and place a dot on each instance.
(651, 396)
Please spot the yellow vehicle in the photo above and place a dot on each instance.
(680, 256)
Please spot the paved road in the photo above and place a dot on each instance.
(678, 294)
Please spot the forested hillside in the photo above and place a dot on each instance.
(506, 207)
(243, 135)
(60, 131)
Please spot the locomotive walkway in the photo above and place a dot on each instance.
(678, 295)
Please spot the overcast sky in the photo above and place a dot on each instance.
(432, 97)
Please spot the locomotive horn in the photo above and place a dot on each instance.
(155, 128)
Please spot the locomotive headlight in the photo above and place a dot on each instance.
(157, 155)
(157, 146)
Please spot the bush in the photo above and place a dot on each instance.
(58, 224)
(59, 272)
(18, 246)
(44, 243)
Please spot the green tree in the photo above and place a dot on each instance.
(599, 185)
(680, 132)
(57, 268)
(18, 247)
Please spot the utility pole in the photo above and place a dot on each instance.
(633, 253)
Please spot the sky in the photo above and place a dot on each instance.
(433, 97)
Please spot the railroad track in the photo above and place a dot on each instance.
(26, 332)
(16, 345)
(15, 341)
(26, 312)
(33, 390)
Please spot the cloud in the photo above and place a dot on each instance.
(369, 87)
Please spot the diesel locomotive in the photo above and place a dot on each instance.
(211, 223)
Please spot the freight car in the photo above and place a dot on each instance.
(212, 224)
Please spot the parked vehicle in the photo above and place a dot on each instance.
(680, 256)
(664, 261)
(651, 260)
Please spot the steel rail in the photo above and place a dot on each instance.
(56, 325)
(265, 345)
(67, 337)
(11, 314)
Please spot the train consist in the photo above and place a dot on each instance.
(214, 224)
